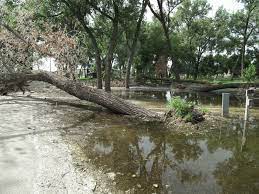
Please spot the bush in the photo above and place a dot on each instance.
(249, 73)
(185, 110)
(180, 106)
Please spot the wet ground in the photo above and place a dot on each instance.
(58, 145)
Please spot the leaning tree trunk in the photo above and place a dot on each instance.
(77, 89)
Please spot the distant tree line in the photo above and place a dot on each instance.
(115, 35)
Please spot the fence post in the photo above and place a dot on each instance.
(249, 99)
(225, 104)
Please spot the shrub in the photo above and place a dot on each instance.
(249, 73)
(180, 106)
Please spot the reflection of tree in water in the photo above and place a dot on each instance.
(146, 156)
(240, 173)
(151, 156)
(199, 97)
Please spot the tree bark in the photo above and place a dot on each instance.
(134, 44)
(77, 89)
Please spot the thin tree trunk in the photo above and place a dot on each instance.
(243, 50)
(98, 60)
(196, 68)
(174, 67)
(79, 90)
(134, 44)
(109, 57)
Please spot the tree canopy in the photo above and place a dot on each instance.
(115, 36)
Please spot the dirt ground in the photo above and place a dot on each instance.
(34, 158)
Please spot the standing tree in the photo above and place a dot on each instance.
(197, 31)
(244, 26)
(132, 49)
(164, 14)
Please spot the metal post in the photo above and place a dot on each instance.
(243, 140)
(225, 104)
(248, 103)
(246, 107)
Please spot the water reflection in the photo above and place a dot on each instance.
(148, 159)
(205, 98)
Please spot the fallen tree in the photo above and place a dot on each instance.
(79, 90)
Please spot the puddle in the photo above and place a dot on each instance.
(148, 159)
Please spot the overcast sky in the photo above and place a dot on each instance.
(230, 5)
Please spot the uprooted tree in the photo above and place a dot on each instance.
(12, 79)
(77, 89)
(17, 52)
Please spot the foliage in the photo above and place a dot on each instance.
(181, 107)
(249, 73)
(76, 32)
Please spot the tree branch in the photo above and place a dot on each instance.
(99, 10)
(153, 11)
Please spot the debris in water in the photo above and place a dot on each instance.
(111, 175)
(155, 185)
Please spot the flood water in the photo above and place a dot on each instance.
(138, 157)
(159, 98)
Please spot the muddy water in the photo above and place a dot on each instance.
(150, 159)
(48, 147)
(159, 98)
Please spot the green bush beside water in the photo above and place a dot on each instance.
(180, 106)
(185, 110)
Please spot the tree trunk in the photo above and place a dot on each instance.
(134, 44)
(196, 69)
(98, 60)
(243, 51)
(109, 57)
(77, 89)
(174, 68)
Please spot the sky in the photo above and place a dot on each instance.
(230, 5)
